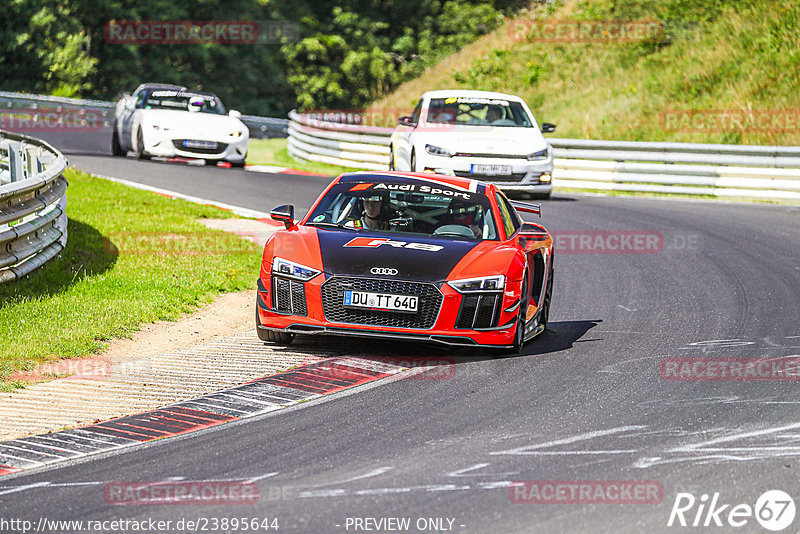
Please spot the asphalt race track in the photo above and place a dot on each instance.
(585, 402)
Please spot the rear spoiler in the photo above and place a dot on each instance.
(527, 208)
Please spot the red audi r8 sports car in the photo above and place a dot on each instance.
(407, 255)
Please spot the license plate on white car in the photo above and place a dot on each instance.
(195, 143)
(491, 170)
(380, 301)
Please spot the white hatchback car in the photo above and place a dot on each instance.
(484, 135)
(169, 121)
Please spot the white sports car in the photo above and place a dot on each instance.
(170, 121)
(488, 136)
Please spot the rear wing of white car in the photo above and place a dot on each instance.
(526, 207)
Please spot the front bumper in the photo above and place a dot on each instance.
(443, 331)
(526, 175)
(228, 149)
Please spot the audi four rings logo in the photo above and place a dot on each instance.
(383, 270)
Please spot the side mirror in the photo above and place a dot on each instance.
(406, 121)
(530, 234)
(285, 214)
(235, 114)
(548, 127)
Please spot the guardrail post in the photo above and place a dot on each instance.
(15, 166)
(32, 164)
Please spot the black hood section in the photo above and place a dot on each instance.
(411, 263)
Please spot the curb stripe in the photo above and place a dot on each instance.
(259, 396)
(7, 469)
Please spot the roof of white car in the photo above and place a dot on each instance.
(444, 93)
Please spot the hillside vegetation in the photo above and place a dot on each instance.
(726, 71)
(309, 53)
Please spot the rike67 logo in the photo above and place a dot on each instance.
(774, 510)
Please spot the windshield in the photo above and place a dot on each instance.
(421, 208)
(469, 111)
(184, 101)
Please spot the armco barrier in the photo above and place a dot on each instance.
(82, 125)
(765, 172)
(33, 219)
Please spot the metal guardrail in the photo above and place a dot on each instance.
(768, 172)
(58, 119)
(33, 219)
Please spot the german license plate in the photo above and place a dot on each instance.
(491, 170)
(195, 143)
(380, 301)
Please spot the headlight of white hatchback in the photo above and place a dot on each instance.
(438, 151)
(542, 154)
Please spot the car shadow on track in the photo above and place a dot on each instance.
(560, 335)
(439, 360)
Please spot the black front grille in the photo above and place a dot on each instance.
(430, 300)
(289, 296)
(179, 145)
(538, 275)
(479, 310)
(515, 177)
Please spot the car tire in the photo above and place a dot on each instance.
(239, 164)
(391, 158)
(140, 153)
(272, 336)
(116, 148)
(542, 196)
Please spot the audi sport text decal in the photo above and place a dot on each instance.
(375, 242)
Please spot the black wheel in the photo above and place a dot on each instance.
(413, 161)
(116, 149)
(542, 196)
(519, 333)
(391, 158)
(239, 164)
(140, 153)
(271, 336)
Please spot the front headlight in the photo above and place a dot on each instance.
(437, 151)
(542, 154)
(236, 133)
(294, 270)
(483, 283)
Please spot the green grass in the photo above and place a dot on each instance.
(132, 257)
(274, 152)
(724, 55)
